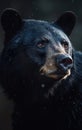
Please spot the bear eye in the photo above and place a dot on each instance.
(64, 43)
(42, 43)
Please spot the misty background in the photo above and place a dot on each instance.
(43, 10)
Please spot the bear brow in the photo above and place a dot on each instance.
(42, 38)
(45, 39)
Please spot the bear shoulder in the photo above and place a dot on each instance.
(78, 63)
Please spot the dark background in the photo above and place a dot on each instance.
(45, 10)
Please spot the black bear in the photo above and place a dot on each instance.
(41, 72)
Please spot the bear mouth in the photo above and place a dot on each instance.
(57, 74)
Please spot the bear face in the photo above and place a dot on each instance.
(36, 53)
(50, 48)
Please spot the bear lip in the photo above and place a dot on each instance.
(57, 74)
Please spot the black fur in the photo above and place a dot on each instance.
(41, 101)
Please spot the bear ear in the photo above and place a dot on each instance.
(11, 20)
(67, 22)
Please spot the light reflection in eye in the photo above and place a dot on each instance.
(64, 44)
(42, 43)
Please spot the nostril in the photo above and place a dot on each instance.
(66, 61)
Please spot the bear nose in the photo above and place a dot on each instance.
(64, 62)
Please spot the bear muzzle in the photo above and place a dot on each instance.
(57, 67)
